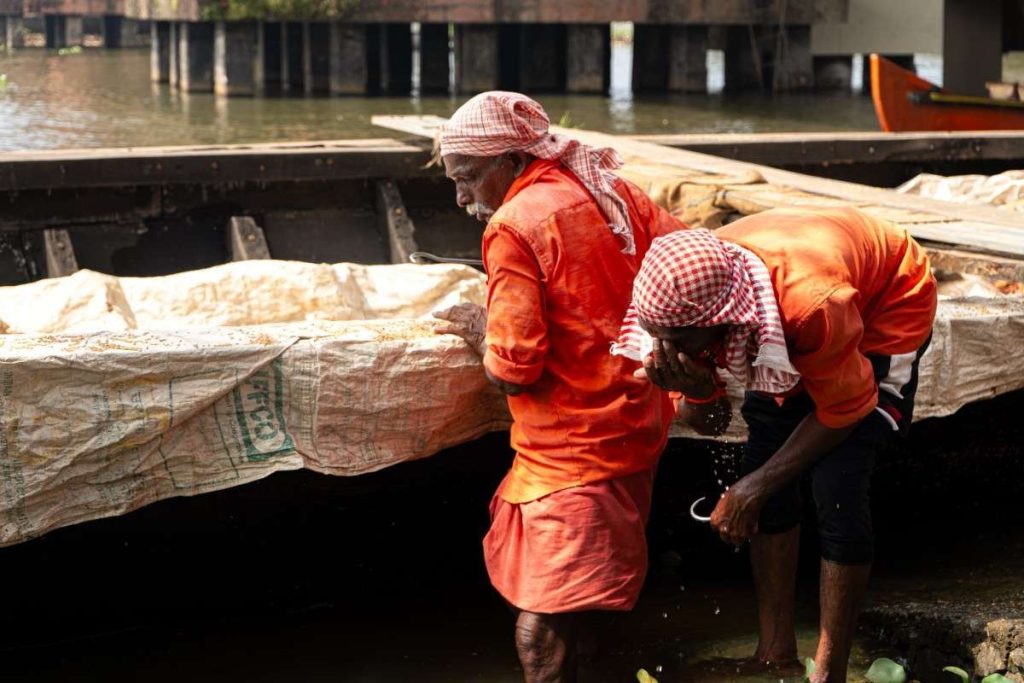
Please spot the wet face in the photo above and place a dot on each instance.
(481, 183)
(695, 342)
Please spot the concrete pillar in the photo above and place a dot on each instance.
(173, 54)
(348, 67)
(291, 56)
(687, 59)
(792, 64)
(434, 70)
(195, 56)
(238, 58)
(396, 59)
(588, 58)
(746, 56)
(112, 30)
(972, 45)
(3, 32)
(272, 59)
(159, 52)
(833, 72)
(541, 57)
(476, 57)
(13, 33)
(73, 31)
(650, 67)
(316, 59)
(53, 28)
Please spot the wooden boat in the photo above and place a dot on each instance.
(906, 102)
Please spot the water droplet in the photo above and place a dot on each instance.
(718, 610)
(682, 588)
(664, 615)
(657, 669)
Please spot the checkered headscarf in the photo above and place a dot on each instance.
(690, 278)
(496, 122)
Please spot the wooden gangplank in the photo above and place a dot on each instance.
(977, 227)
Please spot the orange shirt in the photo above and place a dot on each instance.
(558, 287)
(848, 285)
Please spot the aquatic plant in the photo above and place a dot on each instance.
(73, 50)
(293, 10)
(966, 677)
(3, 81)
(882, 670)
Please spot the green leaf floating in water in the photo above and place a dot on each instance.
(959, 673)
(808, 668)
(884, 670)
(996, 678)
(643, 677)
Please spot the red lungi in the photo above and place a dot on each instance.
(580, 548)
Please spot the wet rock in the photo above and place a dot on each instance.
(1016, 660)
(988, 659)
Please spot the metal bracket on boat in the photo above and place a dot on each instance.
(424, 257)
(693, 510)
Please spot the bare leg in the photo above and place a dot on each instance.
(546, 644)
(842, 590)
(774, 560)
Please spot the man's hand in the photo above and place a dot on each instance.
(468, 321)
(673, 370)
(707, 419)
(735, 517)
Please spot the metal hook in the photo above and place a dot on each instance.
(422, 257)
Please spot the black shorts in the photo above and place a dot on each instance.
(841, 479)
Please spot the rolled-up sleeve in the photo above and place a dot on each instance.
(836, 375)
(517, 338)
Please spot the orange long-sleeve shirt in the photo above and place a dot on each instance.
(558, 286)
(848, 285)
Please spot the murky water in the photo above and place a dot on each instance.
(103, 98)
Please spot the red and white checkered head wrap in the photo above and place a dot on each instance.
(690, 278)
(496, 122)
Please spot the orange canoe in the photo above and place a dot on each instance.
(905, 102)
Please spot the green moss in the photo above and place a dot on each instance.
(296, 10)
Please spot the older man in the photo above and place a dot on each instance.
(823, 316)
(563, 242)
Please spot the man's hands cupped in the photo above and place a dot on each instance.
(672, 370)
(468, 321)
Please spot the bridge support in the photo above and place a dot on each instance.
(588, 58)
(270, 32)
(972, 45)
(160, 52)
(12, 32)
(291, 57)
(833, 72)
(62, 30)
(119, 32)
(238, 58)
(684, 69)
(173, 55)
(316, 58)
(348, 68)
(434, 71)
(476, 57)
(389, 58)
(762, 57)
(195, 56)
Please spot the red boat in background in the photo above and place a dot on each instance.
(906, 102)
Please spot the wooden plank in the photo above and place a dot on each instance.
(331, 160)
(977, 226)
(246, 240)
(60, 254)
(395, 222)
(833, 148)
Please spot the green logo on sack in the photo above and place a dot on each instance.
(259, 409)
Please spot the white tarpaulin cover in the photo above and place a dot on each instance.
(331, 368)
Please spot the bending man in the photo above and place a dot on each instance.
(822, 315)
(563, 242)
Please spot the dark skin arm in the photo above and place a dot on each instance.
(672, 370)
(469, 321)
(735, 516)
